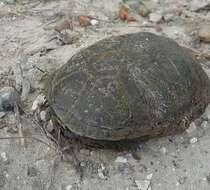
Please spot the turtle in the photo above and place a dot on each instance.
(126, 87)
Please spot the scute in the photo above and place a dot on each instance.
(128, 86)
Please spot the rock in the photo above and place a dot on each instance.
(204, 124)
(69, 187)
(155, 17)
(163, 150)
(149, 177)
(32, 171)
(8, 97)
(39, 101)
(44, 115)
(49, 126)
(191, 128)
(204, 33)
(2, 114)
(143, 10)
(142, 184)
(94, 22)
(11, 119)
(121, 159)
(193, 140)
(4, 157)
(101, 172)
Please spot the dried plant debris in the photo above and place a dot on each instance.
(84, 20)
(124, 14)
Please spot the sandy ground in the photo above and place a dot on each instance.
(180, 162)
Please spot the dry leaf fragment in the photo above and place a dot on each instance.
(124, 14)
(84, 20)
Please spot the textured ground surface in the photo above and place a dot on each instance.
(180, 162)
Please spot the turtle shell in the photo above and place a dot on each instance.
(128, 86)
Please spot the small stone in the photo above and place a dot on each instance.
(2, 114)
(69, 187)
(143, 10)
(163, 150)
(155, 17)
(101, 175)
(121, 159)
(11, 119)
(94, 22)
(193, 140)
(4, 157)
(142, 184)
(191, 128)
(32, 171)
(204, 124)
(8, 97)
(204, 33)
(101, 172)
(39, 101)
(149, 177)
(44, 115)
(50, 126)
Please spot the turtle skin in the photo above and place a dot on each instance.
(127, 87)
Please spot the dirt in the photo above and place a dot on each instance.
(178, 162)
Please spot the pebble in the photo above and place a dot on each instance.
(191, 128)
(69, 187)
(94, 22)
(39, 101)
(121, 159)
(4, 157)
(2, 114)
(204, 124)
(142, 184)
(44, 115)
(11, 119)
(193, 140)
(49, 126)
(163, 150)
(143, 10)
(204, 33)
(149, 177)
(155, 17)
(8, 97)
